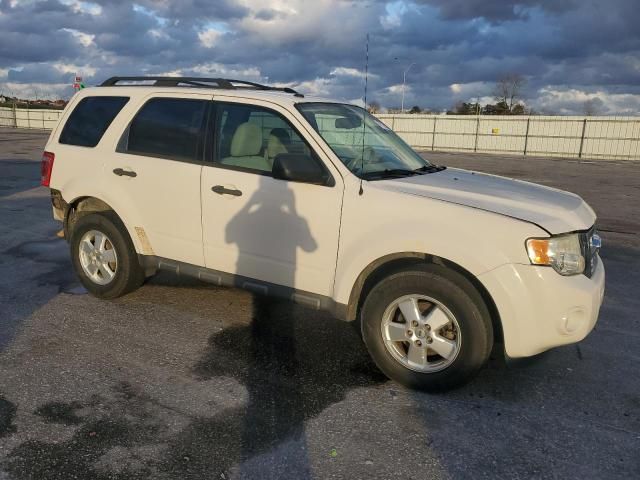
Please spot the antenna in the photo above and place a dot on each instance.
(364, 125)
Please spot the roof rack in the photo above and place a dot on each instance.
(199, 82)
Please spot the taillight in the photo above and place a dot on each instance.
(46, 167)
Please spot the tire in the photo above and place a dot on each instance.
(437, 295)
(110, 279)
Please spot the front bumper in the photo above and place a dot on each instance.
(541, 309)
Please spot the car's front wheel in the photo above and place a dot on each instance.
(427, 327)
(103, 256)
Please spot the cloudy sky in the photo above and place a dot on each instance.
(570, 51)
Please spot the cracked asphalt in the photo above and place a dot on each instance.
(182, 380)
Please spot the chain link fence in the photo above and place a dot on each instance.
(42, 119)
(616, 138)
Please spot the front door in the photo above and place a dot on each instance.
(156, 171)
(276, 231)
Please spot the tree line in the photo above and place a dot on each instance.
(508, 94)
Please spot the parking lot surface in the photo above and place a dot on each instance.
(184, 380)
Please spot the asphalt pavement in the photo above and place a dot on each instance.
(182, 380)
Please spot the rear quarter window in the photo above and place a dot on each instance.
(90, 119)
(168, 128)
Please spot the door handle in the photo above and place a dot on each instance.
(221, 190)
(127, 173)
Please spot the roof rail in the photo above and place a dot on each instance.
(199, 82)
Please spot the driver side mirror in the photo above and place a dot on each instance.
(297, 167)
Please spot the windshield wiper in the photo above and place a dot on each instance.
(402, 172)
(430, 168)
(390, 173)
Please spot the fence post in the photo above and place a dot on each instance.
(433, 136)
(475, 145)
(15, 115)
(526, 137)
(584, 128)
(28, 116)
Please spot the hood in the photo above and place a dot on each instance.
(554, 210)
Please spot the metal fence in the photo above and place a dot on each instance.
(29, 118)
(615, 138)
(575, 137)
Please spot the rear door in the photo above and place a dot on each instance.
(155, 172)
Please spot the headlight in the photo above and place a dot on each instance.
(562, 252)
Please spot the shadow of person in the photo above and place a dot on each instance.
(295, 363)
(268, 233)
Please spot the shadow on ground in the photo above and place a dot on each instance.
(292, 370)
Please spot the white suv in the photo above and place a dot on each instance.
(245, 185)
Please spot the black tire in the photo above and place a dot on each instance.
(459, 296)
(129, 275)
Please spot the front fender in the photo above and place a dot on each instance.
(382, 223)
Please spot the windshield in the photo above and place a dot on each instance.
(380, 153)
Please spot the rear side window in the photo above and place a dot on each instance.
(90, 119)
(168, 128)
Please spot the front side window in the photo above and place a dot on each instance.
(90, 119)
(168, 128)
(368, 147)
(250, 138)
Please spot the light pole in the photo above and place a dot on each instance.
(404, 80)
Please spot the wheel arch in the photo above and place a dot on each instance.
(79, 206)
(83, 205)
(388, 264)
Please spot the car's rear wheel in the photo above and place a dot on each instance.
(103, 256)
(427, 327)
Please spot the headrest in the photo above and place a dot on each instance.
(282, 135)
(247, 141)
(275, 147)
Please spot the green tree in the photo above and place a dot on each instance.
(500, 108)
(518, 109)
(464, 108)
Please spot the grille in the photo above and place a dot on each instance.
(590, 243)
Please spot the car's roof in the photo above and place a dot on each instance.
(275, 96)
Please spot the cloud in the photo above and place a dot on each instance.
(394, 11)
(318, 87)
(85, 39)
(221, 70)
(471, 90)
(209, 37)
(83, 7)
(398, 89)
(571, 101)
(35, 90)
(497, 10)
(350, 72)
(458, 47)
